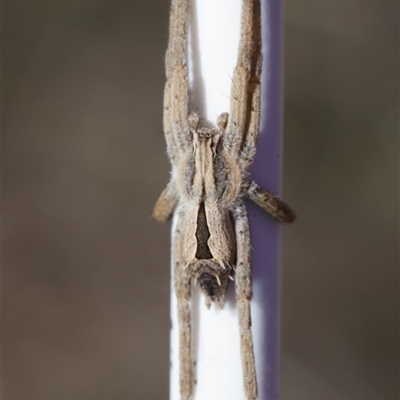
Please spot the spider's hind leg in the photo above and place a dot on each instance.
(182, 287)
(182, 291)
(243, 297)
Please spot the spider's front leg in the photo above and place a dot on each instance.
(243, 296)
(176, 119)
(244, 117)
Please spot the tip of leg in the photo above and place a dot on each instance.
(193, 120)
(159, 217)
(208, 303)
(287, 215)
(284, 213)
(222, 121)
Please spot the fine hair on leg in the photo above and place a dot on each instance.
(243, 296)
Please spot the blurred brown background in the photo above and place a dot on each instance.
(85, 269)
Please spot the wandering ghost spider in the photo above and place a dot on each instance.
(209, 181)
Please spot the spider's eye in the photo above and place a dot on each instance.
(204, 134)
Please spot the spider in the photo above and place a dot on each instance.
(209, 181)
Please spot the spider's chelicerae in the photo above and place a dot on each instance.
(211, 241)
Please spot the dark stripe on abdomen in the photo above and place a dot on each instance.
(202, 235)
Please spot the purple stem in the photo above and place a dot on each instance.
(266, 171)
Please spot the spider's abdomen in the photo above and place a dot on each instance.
(209, 285)
(215, 252)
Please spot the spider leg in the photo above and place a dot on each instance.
(176, 92)
(243, 297)
(166, 203)
(248, 149)
(182, 291)
(182, 288)
(272, 205)
(243, 124)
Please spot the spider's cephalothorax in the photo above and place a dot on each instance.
(211, 237)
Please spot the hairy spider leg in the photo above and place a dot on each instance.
(182, 291)
(269, 203)
(166, 203)
(244, 116)
(176, 93)
(178, 138)
(243, 296)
